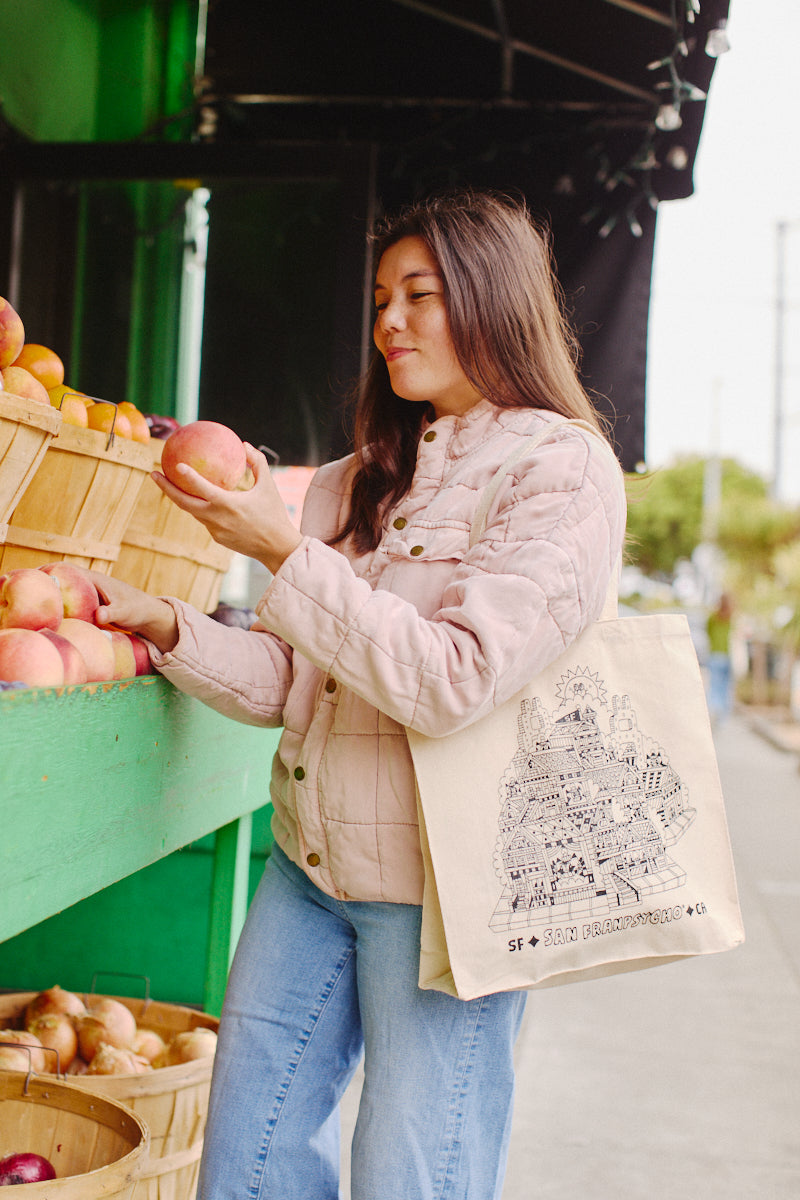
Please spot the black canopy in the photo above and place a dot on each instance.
(592, 108)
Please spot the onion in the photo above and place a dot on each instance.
(148, 1043)
(78, 1066)
(107, 1020)
(112, 1060)
(56, 1030)
(19, 1060)
(188, 1046)
(25, 1168)
(54, 1000)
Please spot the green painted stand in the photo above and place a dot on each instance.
(99, 781)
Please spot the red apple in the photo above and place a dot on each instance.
(77, 591)
(124, 658)
(214, 450)
(12, 334)
(30, 599)
(28, 657)
(141, 657)
(75, 668)
(94, 644)
(20, 382)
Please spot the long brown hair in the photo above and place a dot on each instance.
(508, 327)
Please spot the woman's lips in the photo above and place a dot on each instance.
(396, 352)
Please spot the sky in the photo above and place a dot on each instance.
(711, 379)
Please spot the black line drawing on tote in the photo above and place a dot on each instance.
(588, 808)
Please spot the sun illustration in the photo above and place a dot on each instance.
(581, 685)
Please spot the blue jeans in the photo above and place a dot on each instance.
(315, 983)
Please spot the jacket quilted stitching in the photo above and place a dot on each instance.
(423, 632)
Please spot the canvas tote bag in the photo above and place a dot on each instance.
(578, 830)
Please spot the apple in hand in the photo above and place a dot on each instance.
(77, 592)
(12, 334)
(213, 450)
(75, 669)
(94, 644)
(29, 599)
(27, 656)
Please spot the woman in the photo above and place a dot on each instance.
(379, 617)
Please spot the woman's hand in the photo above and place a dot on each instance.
(253, 522)
(129, 608)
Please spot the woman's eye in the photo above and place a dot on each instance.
(420, 295)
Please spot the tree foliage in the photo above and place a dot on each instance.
(667, 517)
(759, 539)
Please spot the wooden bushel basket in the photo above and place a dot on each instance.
(167, 552)
(97, 1146)
(172, 1101)
(26, 427)
(78, 503)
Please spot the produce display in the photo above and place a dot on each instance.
(37, 373)
(97, 1037)
(48, 636)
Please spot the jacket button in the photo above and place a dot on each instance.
(312, 860)
(416, 550)
(299, 773)
(399, 523)
(430, 436)
(330, 685)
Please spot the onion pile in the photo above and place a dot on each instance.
(100, 1037)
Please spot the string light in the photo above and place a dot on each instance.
(636, 174)
(717, 42)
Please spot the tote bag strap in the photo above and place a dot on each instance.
(492, 487)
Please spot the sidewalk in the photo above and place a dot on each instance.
(776, 725)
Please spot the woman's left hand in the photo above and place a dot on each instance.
(253, 522)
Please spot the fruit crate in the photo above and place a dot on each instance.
(167, 552)
(26, 429)
(97, 1146)
(78, 503)
(171, 1101)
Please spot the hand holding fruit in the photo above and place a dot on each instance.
(253, 521)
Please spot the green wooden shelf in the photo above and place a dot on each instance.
(99, 781)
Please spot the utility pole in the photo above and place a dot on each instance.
(781, 229)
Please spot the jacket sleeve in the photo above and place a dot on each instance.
(241, 673)
(247, 674)
(534, 580)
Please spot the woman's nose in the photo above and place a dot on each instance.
(392, 316)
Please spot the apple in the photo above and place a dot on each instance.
(214, 450)
(124, 658)
(94, 644)
(141, 656)
(77, 591)
(12, 334)
(29, 599)
(29, 657)
(20, 382)
(75, 668)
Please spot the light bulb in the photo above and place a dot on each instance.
(668, 118)
(718, 42)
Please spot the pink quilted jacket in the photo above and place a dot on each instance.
(423, 632)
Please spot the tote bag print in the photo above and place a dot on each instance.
(579, 829)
